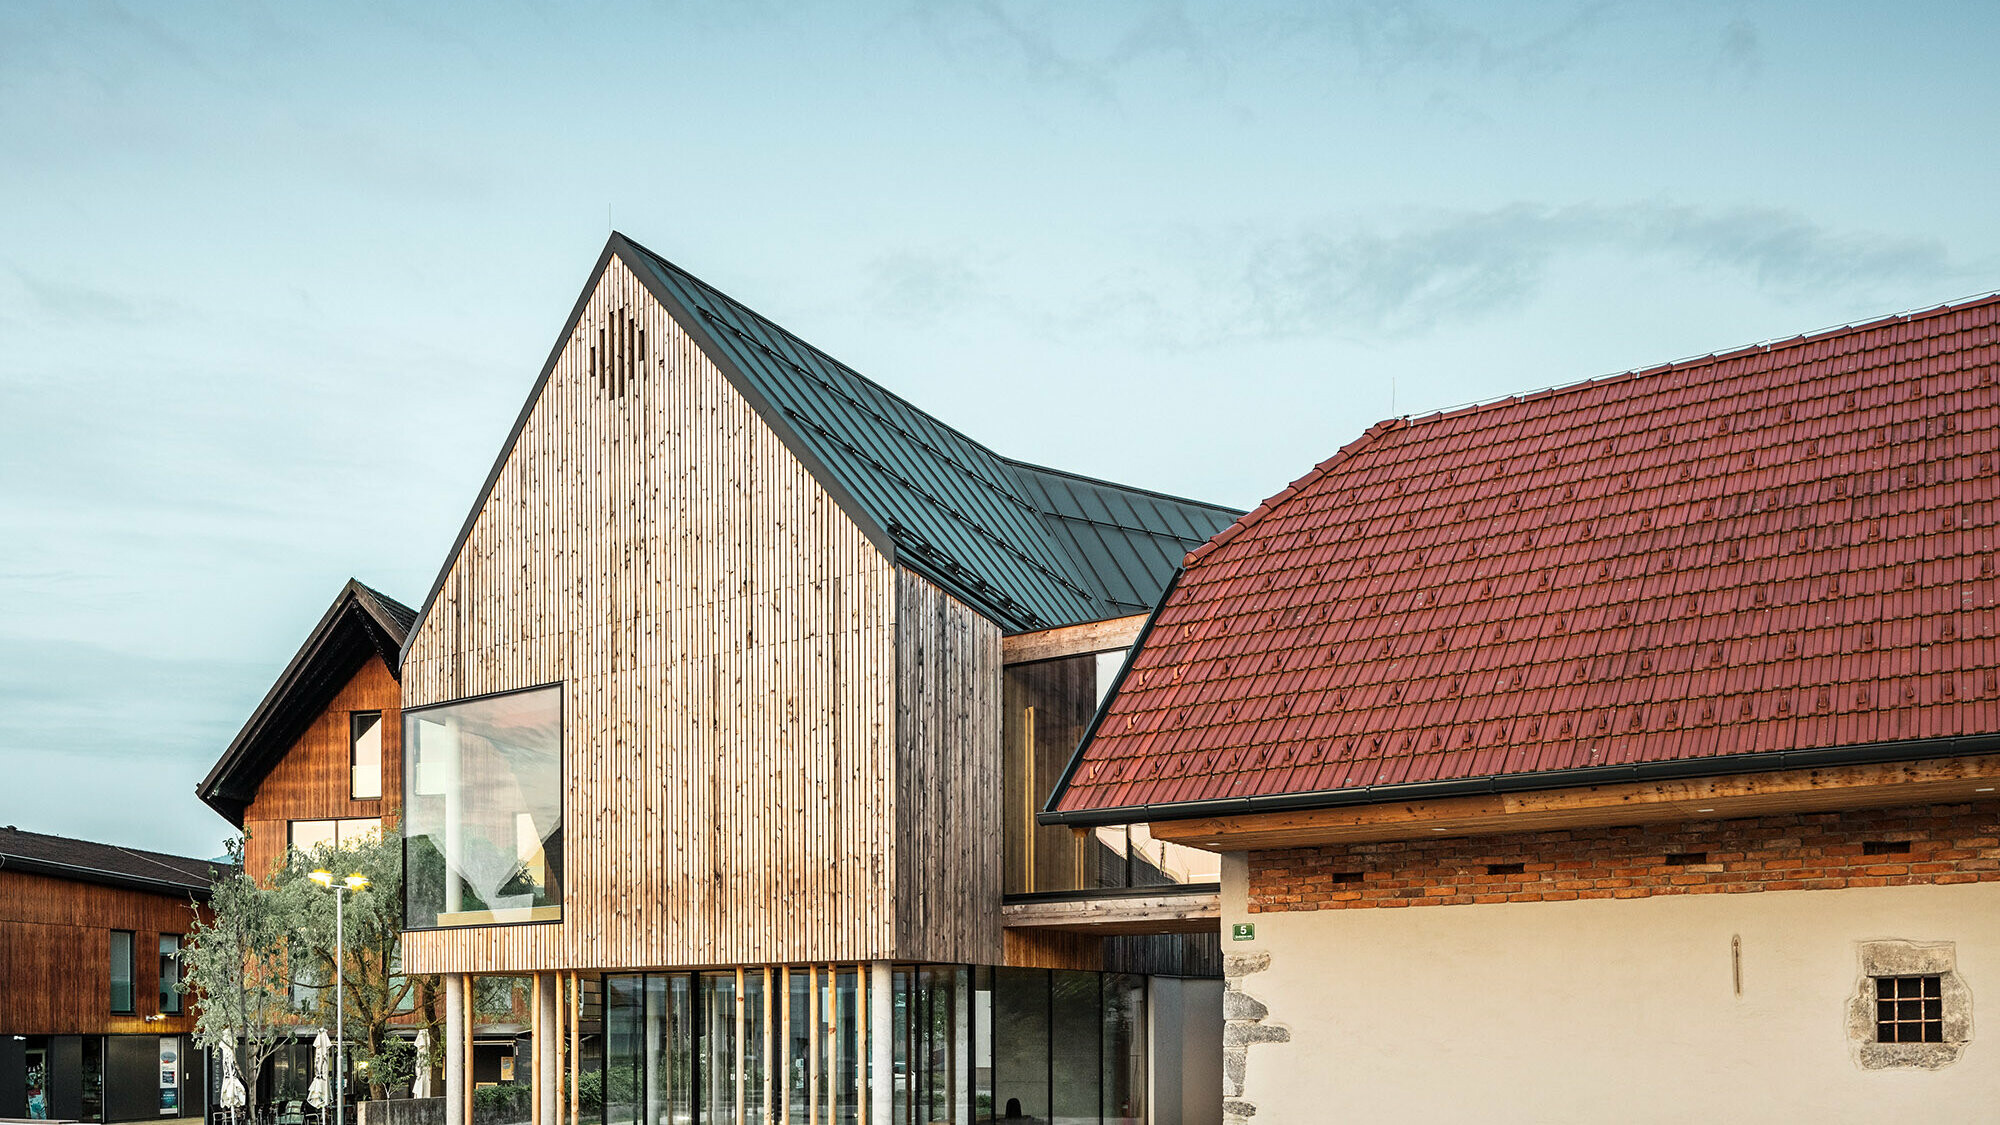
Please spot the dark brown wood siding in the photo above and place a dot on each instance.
(55, 956)
(312, 781)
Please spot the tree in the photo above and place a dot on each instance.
(371, 969)
(234, 964)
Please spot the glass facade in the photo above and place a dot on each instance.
(1048, 705)
(790, 1044)
(482, 814)
(780, 1043)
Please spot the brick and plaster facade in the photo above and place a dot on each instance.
(1924, 844)
(1626, 751)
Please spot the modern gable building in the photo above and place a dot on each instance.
(727, 720)
(1625, 751)
(319, 760)
(93, 1026)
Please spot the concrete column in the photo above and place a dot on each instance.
(456, 1013)
(548, 1053)
(881, 1042)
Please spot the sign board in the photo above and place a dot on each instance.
(1243, 931)
(170, 1076)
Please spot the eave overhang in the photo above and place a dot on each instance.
(359, 624)
(78, 874)
(1871, 776)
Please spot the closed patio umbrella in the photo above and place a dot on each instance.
(421, 1088)
(319, 1094)
(232, 1096)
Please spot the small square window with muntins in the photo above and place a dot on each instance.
(1909, 1009)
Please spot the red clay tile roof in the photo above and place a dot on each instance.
(1786, 547)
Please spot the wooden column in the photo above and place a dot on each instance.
(576, 1046)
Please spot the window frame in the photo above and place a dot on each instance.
(1928, 995)
(411, 760)
(353, 738)
(171, 1003)
(131, 974)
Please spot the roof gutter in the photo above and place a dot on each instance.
(1864, 754)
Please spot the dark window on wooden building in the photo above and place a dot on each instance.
(170, 974)
(121, 970)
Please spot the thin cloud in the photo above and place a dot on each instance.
(1465, 266)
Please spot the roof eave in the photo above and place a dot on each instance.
(78, 874)
(219, 790)
(1769, 761)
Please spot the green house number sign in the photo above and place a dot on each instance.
(1243, 931)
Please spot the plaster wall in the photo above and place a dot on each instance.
(1592, 1011)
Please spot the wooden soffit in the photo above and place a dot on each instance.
(1828, 789)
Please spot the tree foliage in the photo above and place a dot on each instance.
(372, 927)
(234, 963)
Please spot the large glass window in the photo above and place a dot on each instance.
(306, 835)
(170, 973)
(482, 818)
(790, 1044)
(365, 754)
(1048, 705)
(121, 970)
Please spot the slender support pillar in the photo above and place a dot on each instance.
(455, 1062)
(881, 1042)
(548, 1050)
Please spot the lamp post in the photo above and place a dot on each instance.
(340, 890)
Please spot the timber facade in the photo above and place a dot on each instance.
(93, 1026)
(723, 730)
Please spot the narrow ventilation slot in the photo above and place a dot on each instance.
(1506, 868)
(1344, 877)
(619, 355)
(1885, 847)
(1687, 859)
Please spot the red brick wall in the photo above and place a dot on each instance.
(1808, 851)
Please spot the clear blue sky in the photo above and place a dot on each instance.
(274, 279)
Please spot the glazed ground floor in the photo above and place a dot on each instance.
(1855, 1004)
(99, 1077)
(881, 1042)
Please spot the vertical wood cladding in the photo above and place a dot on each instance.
(55, 956)
(312, 781)
(948, 776)
(725, 638)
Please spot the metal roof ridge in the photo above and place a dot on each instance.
(1016, 462)
(818, 351)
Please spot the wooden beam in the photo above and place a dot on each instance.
(1152, 914)
(1072, 640)
(1597, 806)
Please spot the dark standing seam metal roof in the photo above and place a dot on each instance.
(361, 622)
(1015, 540)
(87, 861)
(1030, 548)
(1778, 556)
(1128, 540)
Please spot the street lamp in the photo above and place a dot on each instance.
(340, 890)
